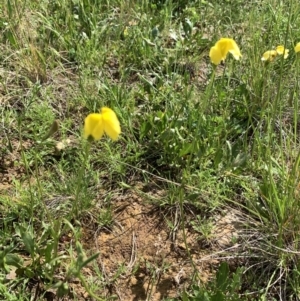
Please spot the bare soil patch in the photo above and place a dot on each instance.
(143, 256)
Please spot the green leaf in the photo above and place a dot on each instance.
(87, 261)
(236, 280)
(48, 251)
(10, 9)
(222, 276)
(3, 261)
(239, 160)
(9, 145)
(14, 260)
(62, 290)
(28, 272)
(218, 157)
(11, 38)
(184, 296)
(145, 129)
(218, 297)
(28, 242)
(187, 149)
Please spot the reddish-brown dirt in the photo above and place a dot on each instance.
(143, 255)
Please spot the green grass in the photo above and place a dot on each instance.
(212, 139)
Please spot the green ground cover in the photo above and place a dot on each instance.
(213, 139)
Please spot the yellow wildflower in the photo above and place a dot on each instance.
(297, 47)
(281, 50)
(125, 31)
(219, 52)
(96, 124)
(269, 55)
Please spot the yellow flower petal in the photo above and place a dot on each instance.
(229, 45)
(111, 123)
(297, 47)
(281, 50)
(219, 52)
(93, 126)
(125, 32)
(96, 125)
(216, 55)
(236, 54)
(269, 55)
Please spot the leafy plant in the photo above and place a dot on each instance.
(225, 287)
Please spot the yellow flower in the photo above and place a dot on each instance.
(125, 31)
(297, 47)
(269, 55)
(281, 50)
(219, 52)
(96, 125)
